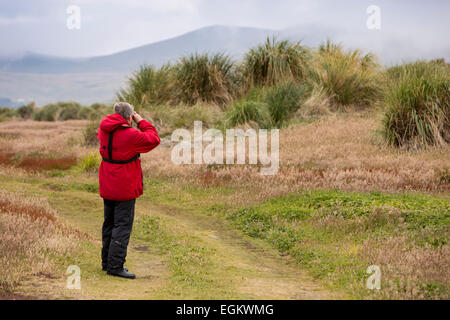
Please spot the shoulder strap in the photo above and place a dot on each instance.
(110, 142)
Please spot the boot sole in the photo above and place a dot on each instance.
(119, 276)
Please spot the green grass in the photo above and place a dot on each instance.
(325, 231)
(190, 262)
(192, 271)
(315, 227)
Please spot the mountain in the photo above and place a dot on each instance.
(38, 63)
(45, 79)
(232, 40)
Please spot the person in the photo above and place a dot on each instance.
(121, 180)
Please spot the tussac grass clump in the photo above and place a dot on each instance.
(270, 107)
(204, 78)
(349, 78)
(90, 162)
(248, 111)
(283, 101)
(418, 105)
(274, 62)
(148, 86)
(198, 78)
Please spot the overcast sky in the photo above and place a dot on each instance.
(109, 26)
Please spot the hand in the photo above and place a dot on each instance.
(137, 118)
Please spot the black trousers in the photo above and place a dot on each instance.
(116, 231)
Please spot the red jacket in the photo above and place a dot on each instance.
(123, 182)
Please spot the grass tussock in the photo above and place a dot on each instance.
(194, 79)
(90, 162)
(349, 78)
(258, 91)
(204, 78)
(417, 105)
(318, 104)
(273, 62)
(147, 86)
(270, 107)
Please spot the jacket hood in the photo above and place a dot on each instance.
(112, 122)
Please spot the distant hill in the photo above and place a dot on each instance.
(232, 40)
(42, 88)
(6, 102)
(45, 79)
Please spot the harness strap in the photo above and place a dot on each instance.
(110, 144)
(123, 162)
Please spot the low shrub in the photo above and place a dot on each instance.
(90, 133)
(69, 111)
(46, 113)
(6, 114)
(62, 111)
(26, 111)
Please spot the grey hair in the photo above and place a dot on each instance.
(124, 109)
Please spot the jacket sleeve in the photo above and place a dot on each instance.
(147, 139)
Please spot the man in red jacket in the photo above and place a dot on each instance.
(121, 180)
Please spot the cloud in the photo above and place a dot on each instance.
(109, 26)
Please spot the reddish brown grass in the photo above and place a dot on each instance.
(29, 230)
(36, 164)
(338, 152)
(28, 209)
(409, 271)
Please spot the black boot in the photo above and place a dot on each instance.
(106, 269)
(123, 273)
